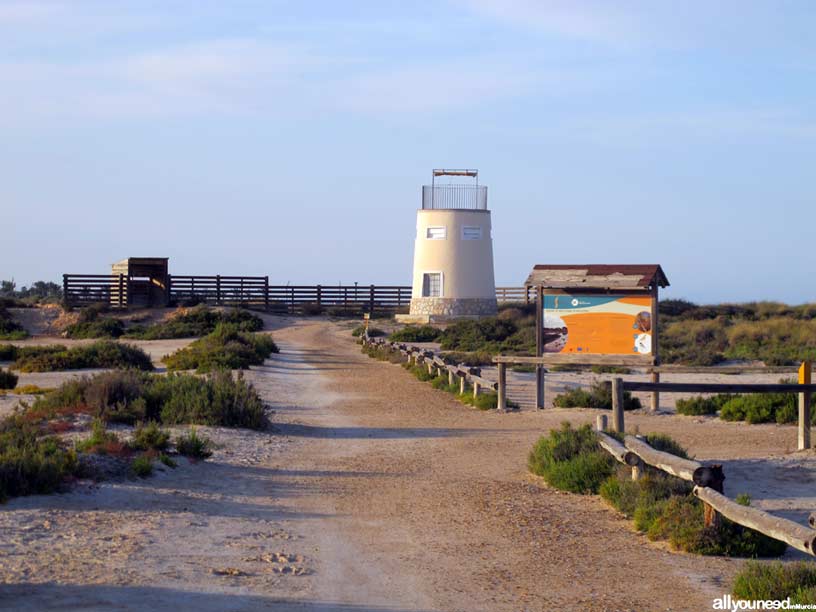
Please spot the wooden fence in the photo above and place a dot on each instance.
(436, 365)
(708, 487)
(254, 292)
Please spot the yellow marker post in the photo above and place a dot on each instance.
(804, 407)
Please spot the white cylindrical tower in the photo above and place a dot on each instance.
(453, 252)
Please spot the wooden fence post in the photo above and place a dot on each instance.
(540, 387)
(450, 377)
(600, 422)
(476, 387)
(617, 405)
(371, 300)
(655, 403)
(502, 394)
(462, 383)
(218, 289)
(319, 295)
(266, 293)
(804, 407)
(65, 290)
(121, 289)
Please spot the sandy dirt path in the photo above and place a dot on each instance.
(374, 493)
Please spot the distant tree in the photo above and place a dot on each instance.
(7, 288)
(40, 290)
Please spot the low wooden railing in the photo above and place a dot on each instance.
(418, 355)
(708, 487)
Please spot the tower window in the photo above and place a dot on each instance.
(432, 284)
(471, 232)
(436, 233)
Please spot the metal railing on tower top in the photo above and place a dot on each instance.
(436, 197)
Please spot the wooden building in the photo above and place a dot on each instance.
(142, 281)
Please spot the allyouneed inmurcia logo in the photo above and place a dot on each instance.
(726, 602)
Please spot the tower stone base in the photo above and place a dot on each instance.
(427, 309)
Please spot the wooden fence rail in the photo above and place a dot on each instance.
(255, 292)
(804, 389)
(708, 481)
(436, 365)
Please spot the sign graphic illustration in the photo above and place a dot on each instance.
(602, 324)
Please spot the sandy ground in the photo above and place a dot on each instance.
(375, 492)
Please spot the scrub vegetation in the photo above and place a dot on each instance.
(777, 581)
(599, 395)
(197, 321)
(9, 328)
(100, 354)
(227, 347)
(660, 505)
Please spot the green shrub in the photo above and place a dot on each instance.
(664, 508)
(101, 354)
(101, 441)
(9, 328)
(198, 321)
(383, 353)
(695, 406)
(599, 395)
(168, 461)
(142, 466)
(193, 445)
(225, 348)
(413, 333)
(777, 581)
(571, 459)
(129, 396)
(311, 309)
(8, 379)
(29, 463)
(761, 408)
(469, 359)
(104, 327)
(8, 352)
(373, 332)
(220, 399)
(150, 437)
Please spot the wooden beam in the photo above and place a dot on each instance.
(718, 387)
(795, 535)
(643, 361)
(672, 464)
(616, 449)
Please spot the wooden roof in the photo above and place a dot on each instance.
(597, 276)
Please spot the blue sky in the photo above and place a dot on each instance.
(292, 138)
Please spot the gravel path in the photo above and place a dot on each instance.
(374, 493)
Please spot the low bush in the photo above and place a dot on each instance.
(9, 328)
(150, 437)
(373, 332)
(413, 333)
(168, 461)
(664, 508)
(130, 396)
(227, 347)
(194, 446)
(695, 406)
(383, 353)
(101, 354)
(8, 379)
(32, 390)
(599, 395)
(30, 463)
(761, 408)
(103, 327)
(571, 459)
(311, 309)
(198, 321)
(142, 466)
(101, 441)
(8, 352)
(777, 581)
(470, 359)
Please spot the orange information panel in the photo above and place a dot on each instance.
(602, 324)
